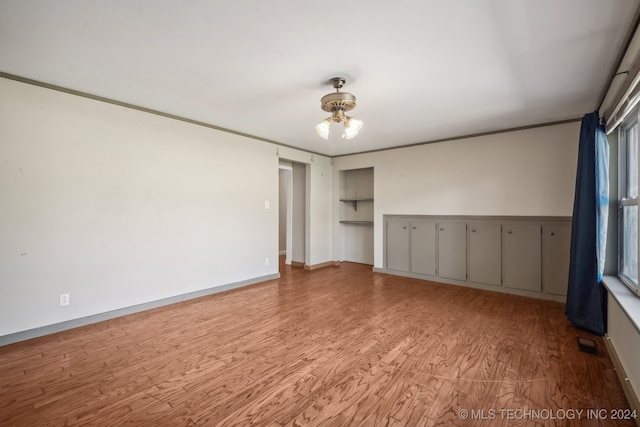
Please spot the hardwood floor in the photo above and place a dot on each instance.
(335, 346)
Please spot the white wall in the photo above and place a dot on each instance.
(528, 172)
(119, 207)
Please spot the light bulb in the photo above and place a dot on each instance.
(322, 129)
(351, 128)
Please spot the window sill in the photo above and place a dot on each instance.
(627, 300)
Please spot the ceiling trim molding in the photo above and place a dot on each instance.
(473, 135)
(147, 110)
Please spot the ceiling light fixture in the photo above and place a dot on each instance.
(337, 104)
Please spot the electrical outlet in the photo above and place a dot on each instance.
(64, 299)
(266, 261)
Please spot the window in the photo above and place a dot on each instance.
(628, 204)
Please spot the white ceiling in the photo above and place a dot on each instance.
(421, 70)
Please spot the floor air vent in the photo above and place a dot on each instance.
(587, 345)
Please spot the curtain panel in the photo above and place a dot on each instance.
(586, 298)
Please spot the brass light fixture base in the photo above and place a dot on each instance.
(342, 101)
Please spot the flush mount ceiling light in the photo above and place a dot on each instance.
(337, 104)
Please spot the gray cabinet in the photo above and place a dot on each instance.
(521, 257)
(411, 246)
(452, 250)
(423, 247)
(485, 253)
(556, 245)
(397, 244)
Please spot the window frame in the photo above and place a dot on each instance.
(624, 201)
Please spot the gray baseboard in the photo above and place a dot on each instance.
(468, 284)
(95, 318)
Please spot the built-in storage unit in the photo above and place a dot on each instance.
(522, 267)
(485, 253)
(412, 246)
(452, 250)
(423, 247)
(398, 240)
(356, 214)
(522, 255)
(555, 258)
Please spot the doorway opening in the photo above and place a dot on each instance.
(292, 212)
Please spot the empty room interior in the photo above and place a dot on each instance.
(319, 214)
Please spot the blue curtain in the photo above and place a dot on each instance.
(586, 298)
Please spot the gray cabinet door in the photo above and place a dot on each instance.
(522, 266)
(423, 247)
(452, 250)
(397, 239)
(485, 254)
(556, 245)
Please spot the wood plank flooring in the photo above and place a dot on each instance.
(329, 347)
